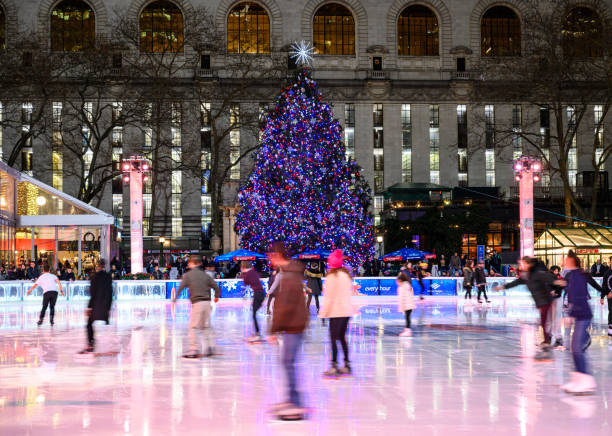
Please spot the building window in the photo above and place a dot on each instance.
(418, 32)
(349, 130)
(379, 144)
(379, 203)
(599, 133)
(500, 32)
(118, 209)
(434, 143)
(248, 29)
(73, 26)
(176, 205)
(334, 30)
(572, 155)
(2, 29)
(147, 202)
(26, 152)
(462, 145)
(57, 168)
(205, 137)
(582, 33)
(406, 143)
(470, 245)
(517, 126)
(545, 144)
(490, 145)
(161, 28)
(234, 138)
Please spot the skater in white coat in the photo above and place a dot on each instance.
(406, 303)
(337, 306)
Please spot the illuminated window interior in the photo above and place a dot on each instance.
(334, 30)
(248, 29)
(417, 32)
(161, 28)
(500, 32)
(73, 26)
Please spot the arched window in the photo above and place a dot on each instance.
(248, 29)
(2, 29)
(417, 32)
(73, 26)
(500, 32)
(333, 29)
(161, 28)
(582, 33)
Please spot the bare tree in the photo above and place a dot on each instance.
(564, 69)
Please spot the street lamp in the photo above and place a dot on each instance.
(162, 240)
(135, 170)
(527, 170)
(379, 241)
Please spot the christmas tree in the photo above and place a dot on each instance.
(302, 190)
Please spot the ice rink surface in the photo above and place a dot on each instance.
(468, 370)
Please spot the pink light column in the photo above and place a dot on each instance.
(136, 245)
(526, 212)
(527, 170)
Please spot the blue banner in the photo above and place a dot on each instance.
(480, 250)
(367, 286)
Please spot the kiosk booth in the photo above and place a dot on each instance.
(589, 243)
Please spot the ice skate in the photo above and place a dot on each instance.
(291, 413)
(558, 345)
(39, 322)
(544, 353)
(573, 379)
(610, 330)
(406, 333)
(192, 356)
(332, 372)
(255, 339)
(346, 370)
(584, 385)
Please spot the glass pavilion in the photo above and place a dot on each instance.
(40, 222)
(590, 243)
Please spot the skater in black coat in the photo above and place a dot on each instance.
(101, 297)
(481, 281)
(314, 284)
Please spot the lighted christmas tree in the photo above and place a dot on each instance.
(302, 190)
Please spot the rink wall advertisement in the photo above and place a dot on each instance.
(234, 288)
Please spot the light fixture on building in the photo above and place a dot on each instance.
(162, 240)
(41, 201)
(379, 239)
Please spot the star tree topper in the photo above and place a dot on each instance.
(302, 52)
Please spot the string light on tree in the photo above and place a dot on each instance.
(302, 52)
(302, 190)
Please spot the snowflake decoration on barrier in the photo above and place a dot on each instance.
(302, 52)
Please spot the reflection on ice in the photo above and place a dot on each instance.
(467, 369)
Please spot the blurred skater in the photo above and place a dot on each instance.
(314, 284)
(468, 279)
(290, 319)
(50, 285)
(251, 278)
(406, 301)
(606, 293)
(556, 311)
(419, 275)
(337, 306)
(270, 292)
(539, 281)
(480, 279)
(576, 281)
(100, 301)
(199, 284)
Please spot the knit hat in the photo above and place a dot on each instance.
(335, 259)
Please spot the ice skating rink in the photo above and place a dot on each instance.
(468, 370)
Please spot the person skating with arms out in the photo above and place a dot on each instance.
(50, 285)
(199, 284)
(338, 307)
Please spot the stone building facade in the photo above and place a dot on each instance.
(398, 73)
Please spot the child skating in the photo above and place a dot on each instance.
(406, 303)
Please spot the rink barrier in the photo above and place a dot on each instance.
(11, 291)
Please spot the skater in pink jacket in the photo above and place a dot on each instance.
(337, 306)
